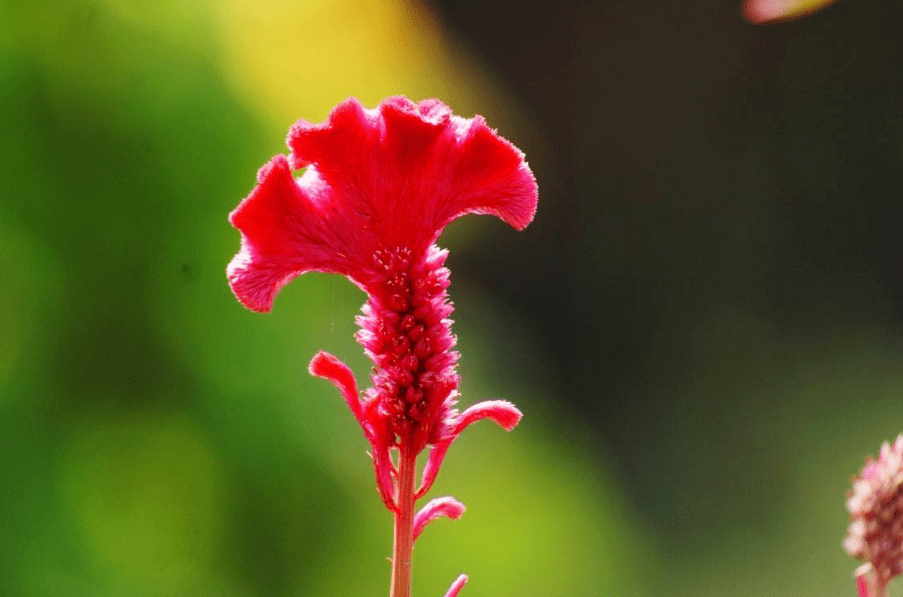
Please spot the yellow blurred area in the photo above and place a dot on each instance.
(293, 59)
(287, 60)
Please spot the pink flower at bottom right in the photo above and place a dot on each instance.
(875, 535)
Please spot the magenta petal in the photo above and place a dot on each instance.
(505, 414)
(287, 228)
(491, 177)
(334, 144)
(431, 469)
(404, 170)
(382, 466)
(502, 412)
(447, 506)
(328, 367)
(457, 586)
(862, 586)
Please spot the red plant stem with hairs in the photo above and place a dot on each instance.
(404, 526)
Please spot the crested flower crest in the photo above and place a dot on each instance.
(386, 179)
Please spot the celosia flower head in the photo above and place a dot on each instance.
(876, 528)
(379, 187)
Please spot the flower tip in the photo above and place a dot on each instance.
(502, 412)
(258, 272)
(447, 506)
(250, 291)
(505, 414)
(506, 182)
(324, 365)
(301, 126)
(347, 126)
(530, 192)
(327, 366)
(428, 113)
(457, 586)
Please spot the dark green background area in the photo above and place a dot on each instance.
(720, 263)
(702, 326)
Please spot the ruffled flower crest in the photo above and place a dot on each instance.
(379, 187)
(383, 179)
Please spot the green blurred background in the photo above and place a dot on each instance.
(703, 326)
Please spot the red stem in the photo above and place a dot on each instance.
(404, 525)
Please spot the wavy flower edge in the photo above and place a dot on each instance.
(379, 179)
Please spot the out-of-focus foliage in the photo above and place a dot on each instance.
(703, 325)
(158, 439)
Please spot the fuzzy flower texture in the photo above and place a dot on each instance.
(876, 528)
(379, 188)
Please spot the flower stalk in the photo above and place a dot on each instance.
(402, 551)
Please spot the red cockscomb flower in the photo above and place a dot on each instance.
(380, 186)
